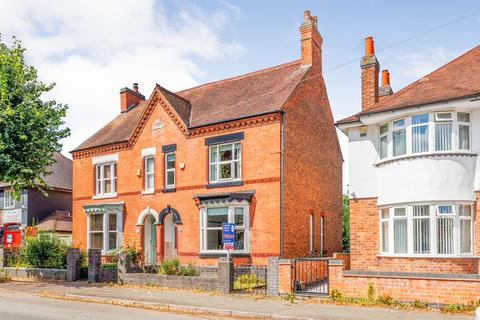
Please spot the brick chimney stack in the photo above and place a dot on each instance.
(129, 97)
(385, 90)
(370, 69)
(311, 42)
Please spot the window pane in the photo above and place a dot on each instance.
(108, 186)
(112, 240)
(225, 171)
(464, 137)
(419, 139)
(171, 161)
(170, 178)
(443, 136)
(421, 235)
(384, 129)
(383, 147)
(463, 117)
(399, 123)
(237, 151)
(238, 216)
(239, 240)
(385, 236)
(96, 222)
(236, 168)
(216, 216)
(385, 213)
(400, 212)
(225, 152)
(442, 210)
(465, 210)
(112, 222)
(444, 235)
(149, 165)
(400, 235)
(421, 118)
(149, 181)
(399, 143)
(96, 240)
(465, 236)
(213, 172)
(214, 239)
(107, 171)
(213, 154)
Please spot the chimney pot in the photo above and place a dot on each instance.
(306, 15)
(369, 46)
(385, 78)
(135, 86)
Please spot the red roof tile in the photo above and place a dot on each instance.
(251, 94)
(458, 78)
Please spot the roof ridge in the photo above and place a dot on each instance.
(249, 74)
(416, 82)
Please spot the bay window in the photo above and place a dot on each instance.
(105, 178)
(444, 131)
(103, 230)
(225, 162)
(427, 229)
(212, 218)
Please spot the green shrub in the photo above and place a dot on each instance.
(188, 271)
(248, 281)
(132, 253)
(336, 295)
(109, 266)
(14, 259)
(290, 297)
(169, 267)
(385, 299)
(44, 252)
(371, 291)
(4, 276)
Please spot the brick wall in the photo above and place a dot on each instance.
(313, 170)
(365, 244)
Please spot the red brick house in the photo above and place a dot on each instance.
(259, 150)
(414, 182)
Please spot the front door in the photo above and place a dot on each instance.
(150, 241)
(169, 233)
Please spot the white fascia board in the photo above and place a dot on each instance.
(149, 152)
(105, 159)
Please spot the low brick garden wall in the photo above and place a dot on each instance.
(37, 273)
(179, 282)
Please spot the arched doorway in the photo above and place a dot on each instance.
(150, 240)
(170, 218)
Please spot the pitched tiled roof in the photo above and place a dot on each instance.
(458, 78)
(243, 96)
(59, 221)
(61, 177)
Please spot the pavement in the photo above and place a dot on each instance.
(210, 305)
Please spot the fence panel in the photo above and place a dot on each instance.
(250, 279)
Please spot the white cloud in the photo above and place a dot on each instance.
(91, 50)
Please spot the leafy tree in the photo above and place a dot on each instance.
(30, 127)
(346, 224)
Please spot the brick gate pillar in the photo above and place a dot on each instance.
(73, 264)
(94, 263)
(272, 276)
(225, 274)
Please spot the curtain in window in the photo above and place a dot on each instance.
(383, 147)
(400, 235)
(443, 136)
(420, 139)
(465, 236)
(421, 229)
(464, 137)
(399, 143)
(385, 236)
(444, 235)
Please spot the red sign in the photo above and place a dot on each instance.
(228, 246)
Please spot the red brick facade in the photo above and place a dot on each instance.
(312, 171)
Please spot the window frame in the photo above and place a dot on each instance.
(100, 179)
(9, 201)
(432, 218)
(231, 219)
(217, 163)
(166, 170)
(400, 128)
(106, 230)
(147, 174)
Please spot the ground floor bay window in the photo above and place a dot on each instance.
(104, 226)
(213, 215)
(427, 229)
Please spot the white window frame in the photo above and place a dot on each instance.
(106, 230)
(433, 215)
(8, 199)
(412, 126)
(231, 219)
(400, 128)
(100, 180)
(382, 135)
(433, 120)
(217, 163)
(170, 186)
(148, 174)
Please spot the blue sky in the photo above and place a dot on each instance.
(93, 51)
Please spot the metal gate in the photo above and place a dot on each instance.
(310, 276)
(250, 279)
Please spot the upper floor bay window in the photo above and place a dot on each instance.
(225, 162)
(430, 229)
(423, 133)
(8, 200)
(105, 177)
(149, 166)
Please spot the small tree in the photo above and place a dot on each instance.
(346, 224)
(30, 128)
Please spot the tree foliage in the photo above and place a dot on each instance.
(346, 224)
(30, 127)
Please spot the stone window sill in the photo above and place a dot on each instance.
(425, 256)
(105, 196)
(224, 184)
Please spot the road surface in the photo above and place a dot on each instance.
(16, 306)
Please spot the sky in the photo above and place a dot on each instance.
(92, 49)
